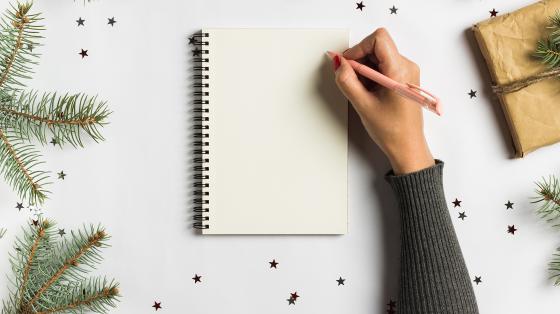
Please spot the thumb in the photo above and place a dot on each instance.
(349, 84)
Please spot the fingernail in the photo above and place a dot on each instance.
(336, 62)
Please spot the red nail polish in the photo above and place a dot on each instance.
(336, 62)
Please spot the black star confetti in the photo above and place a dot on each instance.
(196, 52)
(511, 229)
(477, 280)
(462, 216)
(472, 93)
(493, 13)
(393, 10)
(360, 6)
(291, 301)
(273, 264)
(157, 305)
(294, 296)
(391, 307)
(196, 278)
(456, 203)
(340, 281)
(30, 47)
(61, 232)
(35, 222)
(509, 205)
(80, 21)
(61, 175)
(19, 206)
(83, 53)
(192, 41)
(112, 21)
(54, 141)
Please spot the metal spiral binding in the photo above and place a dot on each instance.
(201, 136)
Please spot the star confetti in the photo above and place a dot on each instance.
(61, 232)
(196, 278)
(80, 21)
(456, 203)
(192, 41)
(83, 53)
(462, 216)
(291, 301)
(360, 6)
(273, 264)
(35, 222)
(61, 175)
(493, 13)
(196, 52)
(112, 21)
(472, 93)
(477, 280)
(340, 281)
(157, 305)
(54, 141)
(511, 229)
(19, 206)
(509, 205)
(294, 296)
(391, 307)
(393, 10)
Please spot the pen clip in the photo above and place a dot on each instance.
(430, 100)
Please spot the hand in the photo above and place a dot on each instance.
(393, 122)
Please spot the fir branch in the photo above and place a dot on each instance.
(19, 37)
(82, 251)
(17, 163)
(548, 49)
(64, 117)
(50, 273)
(2, 232)
(548, 198)
(96, 295)
(40, 236)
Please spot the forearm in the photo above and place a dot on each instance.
(434, 277)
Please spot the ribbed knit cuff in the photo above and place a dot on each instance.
(434, 278)
(421, 181)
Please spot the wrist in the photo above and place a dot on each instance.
(411, 160)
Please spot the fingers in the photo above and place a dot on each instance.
(380, 44)
(350, 85)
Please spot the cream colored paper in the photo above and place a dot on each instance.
(507, 43)
(278, 133)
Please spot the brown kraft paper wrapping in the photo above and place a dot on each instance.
(507, 43)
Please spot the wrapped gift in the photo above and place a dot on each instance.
(530, 98)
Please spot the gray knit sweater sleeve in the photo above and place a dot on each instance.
(434, 278)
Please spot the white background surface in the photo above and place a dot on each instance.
(136, 183)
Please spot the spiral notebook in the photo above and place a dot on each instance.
(271, 132)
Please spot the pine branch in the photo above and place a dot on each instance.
(82, 249)
(2, 232)
(97, 295)
(65, 117)
(50, 276)
(548, 198)
(17, 163)
(19, 37)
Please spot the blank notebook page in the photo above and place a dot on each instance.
(277, 132)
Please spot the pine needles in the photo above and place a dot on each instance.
(548, 50)
(50, 275)
(27, 116)
(548, 198)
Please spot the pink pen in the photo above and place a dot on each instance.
(410, 91)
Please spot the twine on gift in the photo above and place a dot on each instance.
(518, 85)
